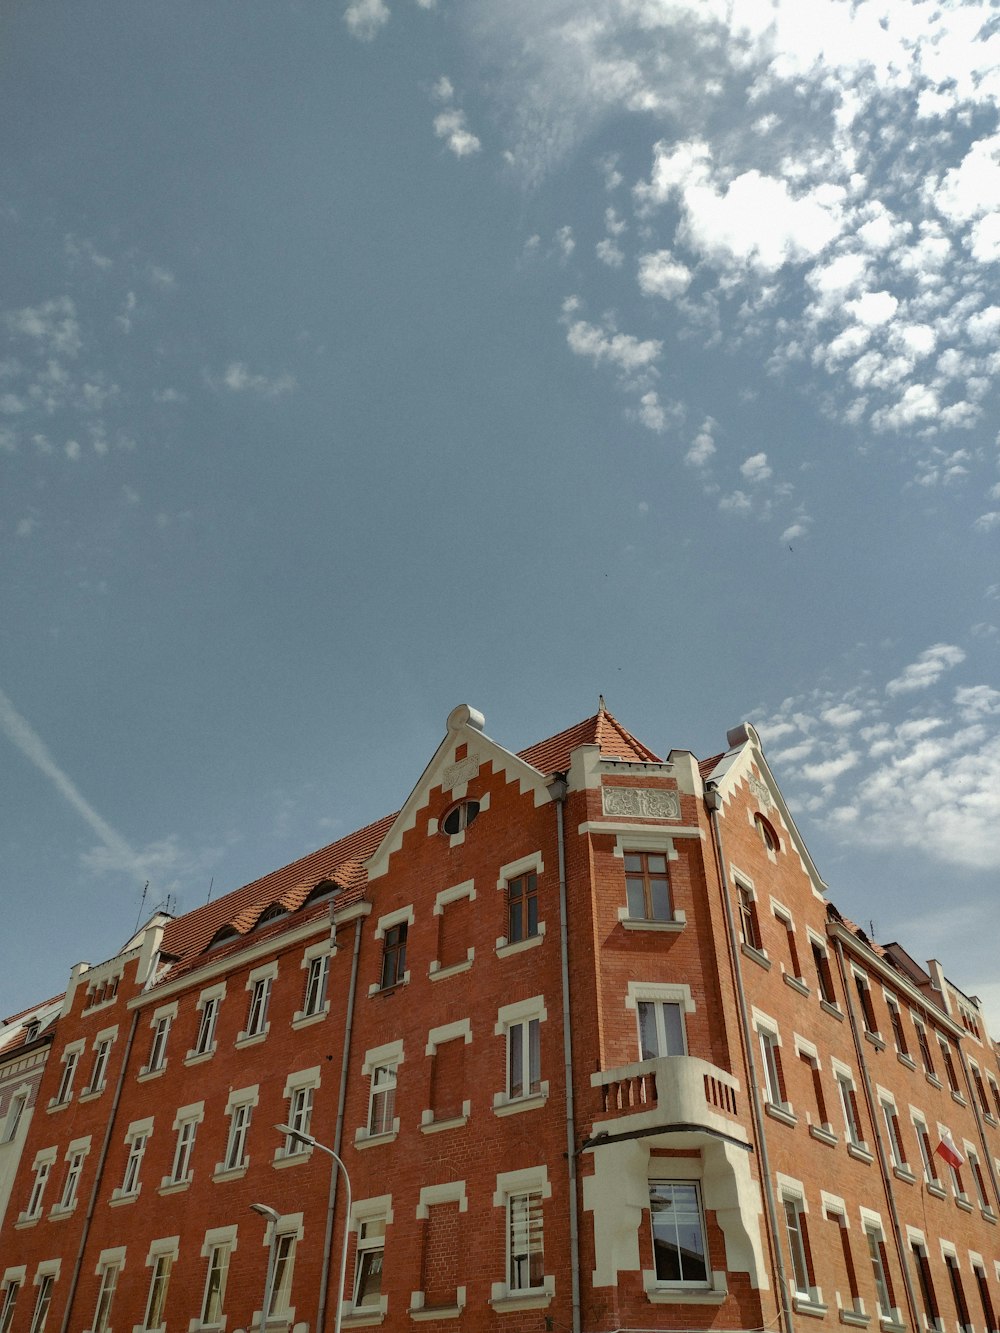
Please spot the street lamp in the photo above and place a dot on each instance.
(313, 1142)
(274, 1217)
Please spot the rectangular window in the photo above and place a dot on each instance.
(977, 1079)
(382, 1107)
(845, 1247)
(70, 1061)
(880, 1270)
(14, 1113)
(316, 981)
(300, 1105)
(368, 1265)
(647, 886)
(680, 1254)
(526, 1260)
(797, 1247)
(105, 1296)
(42, 1302)
(786, 923)
(958, 1292)
(924, 1048)
(949, 1065)
(824, 976)
(924, 1144)
(257, 1014)
(522, 907)
(281, 1280)
(137, 1147)
(893, 1134)
(8, 1300)
(100, 1069)
(524, 1058)
(72, 1181)
(749, 928)
(34, 1207)
(985, 1300)
(157, 1300)
(394, 955)
(158, 1050)
(979, 1178)
(995, 1094)
(236, 1147)
(661, 1028)
(206, 1028)
(898, 1033)
(180, 1171)
(812, 1062)
(774, 1083)
(849, 1105)
(931, 1312)
(215, 1284)
(867, 1008)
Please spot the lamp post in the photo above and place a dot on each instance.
(313, 1142)
(274, 1217)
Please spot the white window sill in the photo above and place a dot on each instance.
(91, 1094)
(118, 1199)
(304, 1020)
(876, 1039)
(24, 1221)
(988, 1215)
(170, 1186)
(365, 1140)
(199, 1057)
(58, 1212)
(503, 1105)
(824, 1134)
(832, 1009)
(673, 926)
(362, 1318)
(962, 1202)
(805, 1305)
(782, 1113)
(57, 1106)
(686, 1295)
(146, 1075)
(376, 988)
(282, 1159)
(424, 1312)
(905, 1174)
(861, 1152)
(796, 983)
(505, 950)
(936, 1188)
(223, 1173)
(537, 1299)
(436, 1126)
(246, 1039)
(758, 956)
(956, 1096)
(438, 973)
(855, 1318)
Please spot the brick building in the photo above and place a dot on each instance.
(596, 1051)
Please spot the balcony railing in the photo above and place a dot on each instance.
(673, 1089)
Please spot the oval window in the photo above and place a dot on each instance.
(459, 817)
(767, 834)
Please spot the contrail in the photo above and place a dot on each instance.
(20, 732)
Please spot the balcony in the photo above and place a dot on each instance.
(676, 1097)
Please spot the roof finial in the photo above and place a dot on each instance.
(601, 706)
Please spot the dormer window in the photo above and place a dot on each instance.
(271, 914)
(32, 1029)
(459, 817)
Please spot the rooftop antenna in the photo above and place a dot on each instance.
(210, 883)
(142, 900)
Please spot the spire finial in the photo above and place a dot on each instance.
(601, 706)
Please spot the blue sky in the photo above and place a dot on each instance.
(363, 359)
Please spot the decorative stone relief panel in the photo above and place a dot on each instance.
(464, 771)
(641, 802)
(758, 789)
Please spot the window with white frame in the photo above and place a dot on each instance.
(381, 1066)
(137, 1138)
(835, 1211)
(824, 973)
(982, 1286)
(102, 1055)
(109, 1267)
(186, 1123)
(258, 987)
(522, 1196)
(898, 1031)
(647, 886)
(849, 1107)
(660, 1010)
(950, 1257)
(160, 1022)
(393, 930)
(160, 1262)
(893, 1133)
(877, 1257)
(217, 1250)
(867, 1004)
(42, 1167)
(784, 919)
(9, 1289)
(746, 916)
(70, 1062)
(520, 1025)
(15, 1111)
(45, 1281)
(316, 963)
(793, 1207)
(972, 1157)
(770, 1060)
(918, 1249)
(300, 1090)
(924, 1144)
(209, 1004)
(680, 1250)
(239, 1108)
(76, 1155)
(369, 1221)
(288, 1232)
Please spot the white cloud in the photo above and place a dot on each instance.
(451, 126)
(927, 670)
(755, 468)
(366, 18)
(443, 90)
(660, 274)
(609, 252)
(565, 243)
(53, 326)
(621, 350)
(239, 379)
(703, 447)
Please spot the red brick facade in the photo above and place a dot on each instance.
(753, 1127)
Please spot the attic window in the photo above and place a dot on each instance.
(228, 932)
(768, 836)
(271, 914)
(32, 1029)
(459, 817)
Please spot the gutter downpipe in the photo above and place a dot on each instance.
(713, 802)
(101, 1161)
(873, 1115)
(338, 1134)
(558, 788)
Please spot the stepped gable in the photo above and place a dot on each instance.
(553, 755)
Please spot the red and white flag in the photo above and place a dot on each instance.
(946, 1149)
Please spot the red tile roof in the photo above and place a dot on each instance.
(553, 755)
